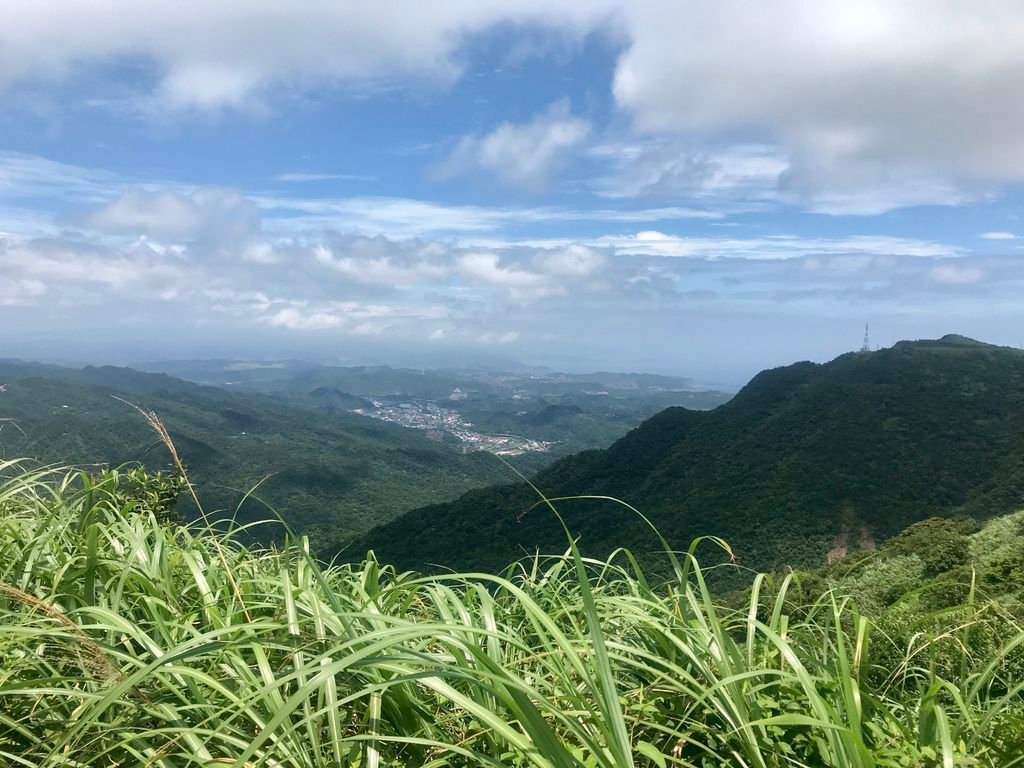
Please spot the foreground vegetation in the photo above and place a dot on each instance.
(127, 639)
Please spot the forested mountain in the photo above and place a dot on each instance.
(327, 467)
(569, 412)
(805, 460)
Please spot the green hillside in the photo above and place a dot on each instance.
(329, 468)
(803, 460)
(933, 565)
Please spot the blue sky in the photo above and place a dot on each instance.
(705, 189)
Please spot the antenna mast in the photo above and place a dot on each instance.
(866, 347)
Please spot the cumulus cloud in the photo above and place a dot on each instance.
(869, 106)
(163, 214)
(223, 221)
(520, 154)
(572, 261)
(81, 271)
(207, 213)
(487, 268)
(295, 320)
(226, 54)
(378, 260)
(913, 99)
(336, 287)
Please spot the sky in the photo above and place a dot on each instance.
(685, 187)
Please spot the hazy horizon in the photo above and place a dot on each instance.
(411, 360)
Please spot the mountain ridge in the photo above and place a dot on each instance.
(801, 454)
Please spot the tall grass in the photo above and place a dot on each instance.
(126, 641)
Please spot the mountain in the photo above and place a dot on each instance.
(327, 467)
(567, 412)
(552, 413)
(802, 461)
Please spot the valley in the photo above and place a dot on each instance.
(438, 421)
(331, 462)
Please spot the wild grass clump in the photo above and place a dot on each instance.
(127, 639)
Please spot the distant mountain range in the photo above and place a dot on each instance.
(804, 460)
(289, 427)
(570, 411)
(317, 466)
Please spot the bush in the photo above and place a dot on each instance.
(128, 641)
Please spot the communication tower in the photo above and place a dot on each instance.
(866, 346)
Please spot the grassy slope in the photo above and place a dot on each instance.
(338, 470)
(801, 457)
(126, 642)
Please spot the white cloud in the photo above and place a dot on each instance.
(208, 213)
(162, 214)
(998, 236)
(498, 338)
(228, 54)
(406, 217)
(379, 261)
(88, 272)
(299, 178)
(260, 252)
(953, 275)
(776, 248)
(295, 320)
(223, 221)
(487, 268)
(521, 154)
(666, 168)
(20, 292)
(916, 100)
(572, 261)
(869, 106)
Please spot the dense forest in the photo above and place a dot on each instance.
(332, 469)
(807, 459)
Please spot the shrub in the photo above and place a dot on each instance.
(128, 641)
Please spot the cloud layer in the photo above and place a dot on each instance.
(216, 55)
(868, 106)
(211, 256)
